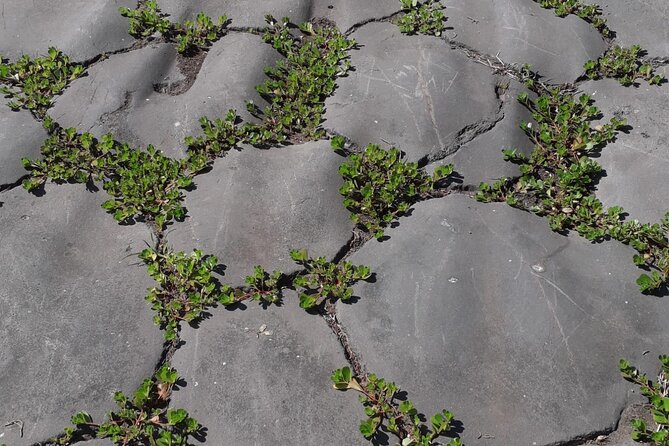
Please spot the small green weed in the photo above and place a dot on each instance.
(190, 37)
(557, 181)
(186, 287)
(658, 396)
(32, 83)
(624, 64)
(142, 419)
(146, 184)
(400, 419)
(379, 186)
(220, 136)
(201, 33)
(298, 85)
(323, 279)
(590, 13)
(143, 184)
(146, 20)
(425, 17)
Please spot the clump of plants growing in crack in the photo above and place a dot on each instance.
(143, 184)
(558, 178)
(624, 64)
(142, 419)
(426, 17)
(658, 396)
(590, 13)
(380, 186)
(33, 83)
(322, 279)
(297, 86)
(400, 418)
(190, 36)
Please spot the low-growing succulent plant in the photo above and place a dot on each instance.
(298, 85)
(144, 418)
(199, 34)
(624, 64)
(220, 136)
(379, 186)
(322, 279)
(399, 418)
(424, 17)
(32, 83)
(146, 20)
(590, 13)
(658, 396)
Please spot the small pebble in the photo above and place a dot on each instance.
(538, 268)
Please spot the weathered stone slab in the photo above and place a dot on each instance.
(480, 308)
(481, 159)
(274, 387)
(74, 326)
(412, 92)
(257, 205)
(523, 32)
(124, 92)
(345, 13)
(639, 23)
(81, 29)
(636, 164)
(20, 136)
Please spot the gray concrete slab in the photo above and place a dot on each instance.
(405, 91)
(639, 23)
(636, 164)
(481, 309)
(257, 205)
(81, 29)
(20, 136)
(345, 13)
(523, 32)
(481, 159)
(122, 96)
(74, 327)
(251, 389)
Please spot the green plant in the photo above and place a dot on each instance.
(146, 20)
(144, 418)
(219, 136)
(323, 279)
(146, 184)
(199, 34)
(264, 287)
(190, 36)
(298, 85)
(379, 186)
(557, 181)
(590, 13)
(422, 17)
(658, 396)
(624, 64)
(399, 418)
(186, 287)
(32, 83)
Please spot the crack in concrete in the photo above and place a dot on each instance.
(9, 186)
(386, 18)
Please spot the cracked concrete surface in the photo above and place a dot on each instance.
(477, 308)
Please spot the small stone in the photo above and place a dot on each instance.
(453, 279)
(538, 268)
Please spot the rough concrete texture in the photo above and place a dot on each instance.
(521, 32)
(639, 23)
(481, 159)
(344, 13)
(410, 104)
(478, 308)
(74, 327)
(266, 388)
(642, 153)
(483, 310)
(80, 28)
(257, 205)
(20, 136)
(124, 92)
